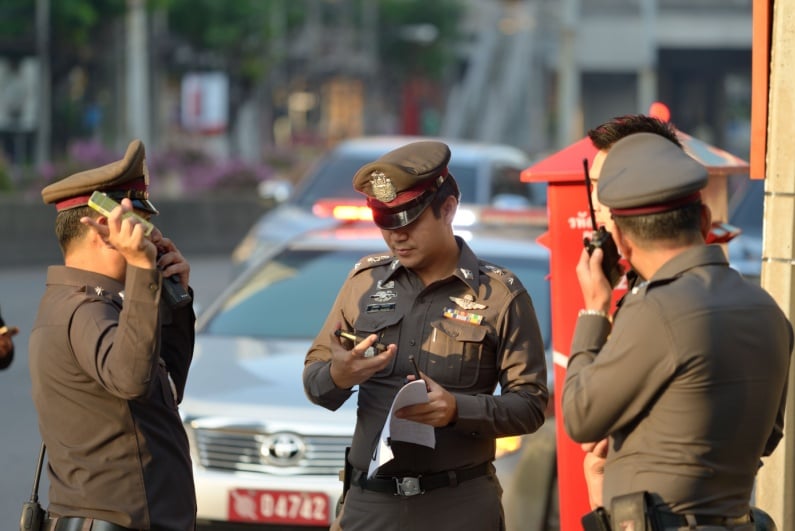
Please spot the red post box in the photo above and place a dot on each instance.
(569, 222)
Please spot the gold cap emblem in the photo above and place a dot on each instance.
(383, 189)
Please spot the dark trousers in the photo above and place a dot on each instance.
(472, 505)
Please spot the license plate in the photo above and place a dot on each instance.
(279, 507)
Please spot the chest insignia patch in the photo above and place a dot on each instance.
(467, 302)
(382, 307)
(385, 285)
(461, 315)
(383, 296)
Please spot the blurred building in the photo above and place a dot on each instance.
(538, 73)
(531, 73)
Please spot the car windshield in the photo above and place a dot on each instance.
(290, 296)
(335, 174)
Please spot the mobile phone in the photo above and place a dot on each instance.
(601, 238)
(372, 350)
(103, 204)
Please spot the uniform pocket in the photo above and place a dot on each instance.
(386, 326)
(455, 353)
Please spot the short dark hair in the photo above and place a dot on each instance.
(449, 187)
(682, 225)
(68, 227)
(610, 132)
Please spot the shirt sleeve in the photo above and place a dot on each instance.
(520, 406)
(319, 387)
(120, 349)
(595, 400)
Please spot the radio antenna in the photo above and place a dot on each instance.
(588, 191)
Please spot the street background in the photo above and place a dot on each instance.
(21, 289)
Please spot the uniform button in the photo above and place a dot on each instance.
(412, 342)
(153, 287)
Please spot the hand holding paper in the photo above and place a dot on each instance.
(395, 429)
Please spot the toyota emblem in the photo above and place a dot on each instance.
(283, 449)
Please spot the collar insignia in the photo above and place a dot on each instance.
(383, 189)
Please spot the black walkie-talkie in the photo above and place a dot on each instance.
(602, 238)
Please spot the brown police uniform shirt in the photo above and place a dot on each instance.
(690, 385)
(468, 358)
(99, 355)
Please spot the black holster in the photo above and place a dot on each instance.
(630, 511)
(596, 520)
(633, 511)
(347, 474)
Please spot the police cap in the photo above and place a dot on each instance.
(127, 177)
(402, 183)
(645, 173)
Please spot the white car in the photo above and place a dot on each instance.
(487, 174)
(262, 453)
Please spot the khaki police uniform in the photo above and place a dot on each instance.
(108, 364)
(469, 332)
(690, 382)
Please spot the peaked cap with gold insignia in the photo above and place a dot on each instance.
(402, 183)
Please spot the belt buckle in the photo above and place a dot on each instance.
(408, 486)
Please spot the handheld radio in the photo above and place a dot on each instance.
(601, 238)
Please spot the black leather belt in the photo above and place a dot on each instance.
(76, 523)
(680, 520)
(411, 486)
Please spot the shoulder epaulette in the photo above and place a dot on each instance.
(504, 276)
(96, 293)
(371, 261)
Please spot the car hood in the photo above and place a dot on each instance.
(285, 221)
(245, 381)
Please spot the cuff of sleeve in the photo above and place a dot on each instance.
(467, 419)
(325, 385)
(590, 333)
(142, 284)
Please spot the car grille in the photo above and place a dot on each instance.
(254, 451)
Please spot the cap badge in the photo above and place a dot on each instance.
(383, 189)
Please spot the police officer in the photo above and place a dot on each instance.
(689, 380)
(109, 360)
(469, 324)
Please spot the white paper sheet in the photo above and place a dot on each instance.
(396, 429)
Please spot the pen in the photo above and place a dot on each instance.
(414, 364)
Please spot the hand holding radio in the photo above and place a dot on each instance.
(602, 239)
